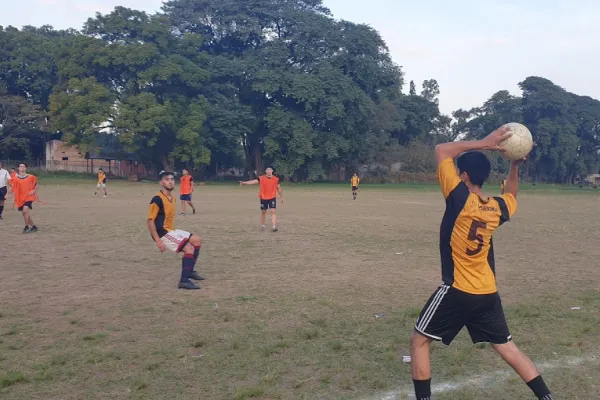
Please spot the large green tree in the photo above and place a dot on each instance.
(129, 76)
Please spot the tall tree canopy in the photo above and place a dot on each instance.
(215, 84)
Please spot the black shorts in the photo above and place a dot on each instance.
(266, 204)
(185, 197)
(3, 192)
(448, 310)
(28, 204)
(354, 188)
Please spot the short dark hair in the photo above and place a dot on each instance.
(22, 163)
(476, 165)
(164, 174)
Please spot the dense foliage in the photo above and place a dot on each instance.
(244, 83)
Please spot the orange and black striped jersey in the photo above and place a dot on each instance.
(355, 181)
(101, 177)
(466, 248)
(162, 212)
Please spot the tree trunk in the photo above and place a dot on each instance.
(258, 162)
(165, 163)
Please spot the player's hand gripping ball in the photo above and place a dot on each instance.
(519, 144)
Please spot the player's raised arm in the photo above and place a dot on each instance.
(444, 151)
(252, 182)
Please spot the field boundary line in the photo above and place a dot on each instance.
(485, 380)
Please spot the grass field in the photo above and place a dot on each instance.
(89, 308)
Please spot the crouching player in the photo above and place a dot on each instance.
(161, 216)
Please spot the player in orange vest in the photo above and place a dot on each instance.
(25, 187)
(186, 188)
(269, 188)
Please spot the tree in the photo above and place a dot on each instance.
(431, 90)
(21, 124)
(130, 76)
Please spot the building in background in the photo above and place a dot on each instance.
(106, 154)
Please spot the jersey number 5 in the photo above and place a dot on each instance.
(476, 237)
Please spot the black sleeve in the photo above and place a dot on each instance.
(191, 179)
(158, 201)
(504, 214)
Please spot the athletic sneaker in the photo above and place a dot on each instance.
(262, 228)
(195, 276)
(182, 214)
(193, 211)
(189, 285)
(275, 229)
(26, 230)
(33, 229)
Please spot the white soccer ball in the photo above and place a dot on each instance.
(519, 145)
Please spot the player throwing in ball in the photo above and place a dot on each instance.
(354, 181)
(161, 217)
(269, 188)
(186, 188)
(25, 187)
(101, 182)
(468, 296)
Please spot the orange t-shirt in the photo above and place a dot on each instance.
(22, 186)
(268, 187)
(186, 184)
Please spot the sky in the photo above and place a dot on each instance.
(473, 48)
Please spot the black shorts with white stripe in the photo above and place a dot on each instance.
(448, 310)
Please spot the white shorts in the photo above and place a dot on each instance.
(101, 185)
(176, 239)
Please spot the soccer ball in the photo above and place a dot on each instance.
(519, 145)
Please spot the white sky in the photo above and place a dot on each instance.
(472, 47)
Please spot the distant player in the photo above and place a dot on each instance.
(161, 217)
(468, 296)
(101, 182)
(269, 188)
(354, 181)
(5, 187)
(186, 188)
(25, 187)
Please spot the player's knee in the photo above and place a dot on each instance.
(195, 241)
(508, 351)
(188, 249)
(417, 340)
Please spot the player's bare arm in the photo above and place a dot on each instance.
(252, 182)
(452, 150)
(280, 192)
(152, 228)
(512, 181)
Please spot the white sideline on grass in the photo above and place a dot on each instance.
(485, 380)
